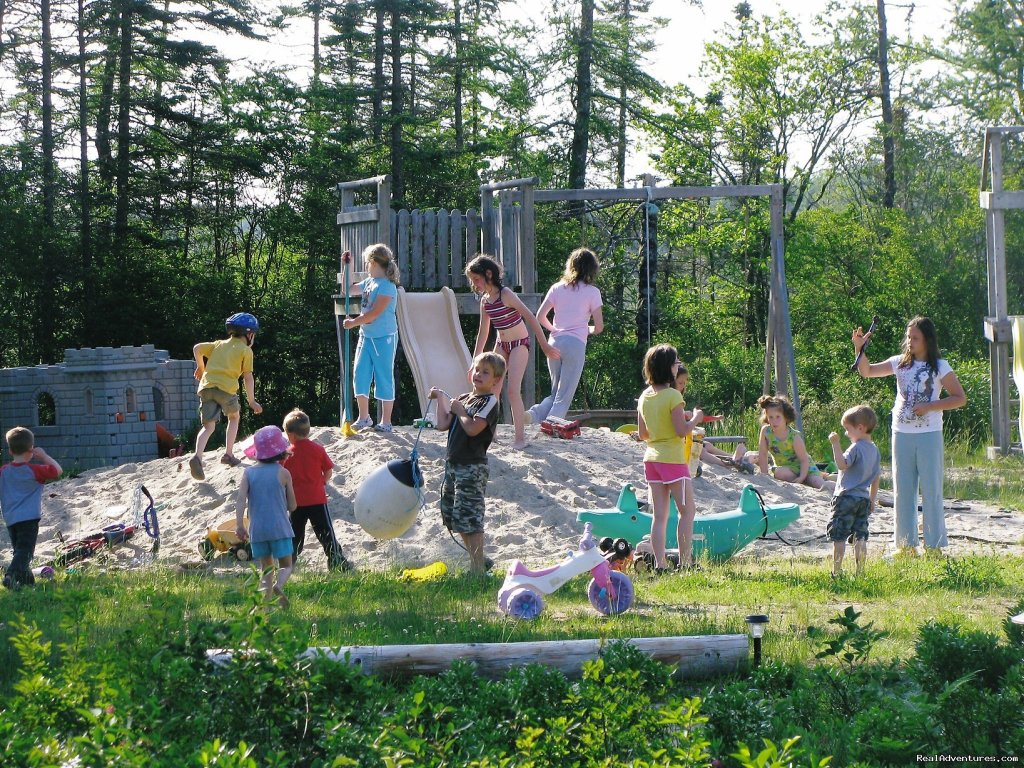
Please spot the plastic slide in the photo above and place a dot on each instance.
(431, 336)
(1018, 367)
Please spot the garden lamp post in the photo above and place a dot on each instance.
(755, 626)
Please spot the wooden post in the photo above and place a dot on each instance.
(528, 276)
(487, 233)
(695, 656)
(647, 283)
(784, 332)
(528, 240)
(384, 211)
(997, 324)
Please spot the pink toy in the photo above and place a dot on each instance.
(610, 591)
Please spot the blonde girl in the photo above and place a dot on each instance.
(576, 302)
(779, 438)
(378, 336)
(500, 307)
(662, 424)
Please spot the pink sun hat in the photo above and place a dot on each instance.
(267, 443)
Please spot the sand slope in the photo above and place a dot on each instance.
(533, 496)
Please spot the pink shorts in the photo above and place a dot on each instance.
(665, 473)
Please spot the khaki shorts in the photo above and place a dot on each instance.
(213, 402)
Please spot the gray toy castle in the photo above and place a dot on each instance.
(100, 407)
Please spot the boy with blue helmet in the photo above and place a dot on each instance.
(219, 364)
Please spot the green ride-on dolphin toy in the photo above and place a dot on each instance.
(717, 536)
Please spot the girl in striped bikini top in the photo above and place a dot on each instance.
(510, 318)
(501, 315)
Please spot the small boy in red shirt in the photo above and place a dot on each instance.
(311, 468)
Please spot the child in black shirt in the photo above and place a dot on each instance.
(471, 420)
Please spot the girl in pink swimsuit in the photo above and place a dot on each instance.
(500, 307)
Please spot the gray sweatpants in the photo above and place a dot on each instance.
(565, 377)
(917, 459)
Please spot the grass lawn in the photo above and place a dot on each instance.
(927, 668)
(376, 609)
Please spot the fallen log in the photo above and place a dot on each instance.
(693, 656)
(885, 499)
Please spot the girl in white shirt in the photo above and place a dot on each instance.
(917, 448)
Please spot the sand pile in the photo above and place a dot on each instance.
(533, 497)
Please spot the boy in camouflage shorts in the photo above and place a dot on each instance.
(856, 489)
(471, 420)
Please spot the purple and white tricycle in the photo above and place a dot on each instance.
(610, 591)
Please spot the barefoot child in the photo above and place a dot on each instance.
(857, 487)
(790, 461)
(266, 489)
(471, 420)
(662, 424)
(710, 454)
(500, 307)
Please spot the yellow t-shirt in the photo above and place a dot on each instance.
(663, 444)
(226, 361)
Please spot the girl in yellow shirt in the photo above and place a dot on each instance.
(662, 424)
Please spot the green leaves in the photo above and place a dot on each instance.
(853, 644)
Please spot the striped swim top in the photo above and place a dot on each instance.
(501, 315)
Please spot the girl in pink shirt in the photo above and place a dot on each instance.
(576, 302)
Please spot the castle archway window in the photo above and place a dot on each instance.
(129, 400)
(46, 410)
(159, 409)
(88, 402)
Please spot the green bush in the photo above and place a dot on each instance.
(1014, 632)
(737, 712)
(892, 731)
(970, 573)
(971, 423)
(946, 655)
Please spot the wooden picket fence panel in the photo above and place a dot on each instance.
(433, 247)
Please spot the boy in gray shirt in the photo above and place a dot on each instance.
(857, 488)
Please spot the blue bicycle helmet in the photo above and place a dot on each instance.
(242, 320)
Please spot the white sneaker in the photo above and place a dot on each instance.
(527, 418)
(360, 424)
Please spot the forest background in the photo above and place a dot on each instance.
(148, 188)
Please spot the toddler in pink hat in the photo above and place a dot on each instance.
(266, 489)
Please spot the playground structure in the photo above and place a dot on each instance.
(433, 247)
(1001, 329)
(100, 407)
